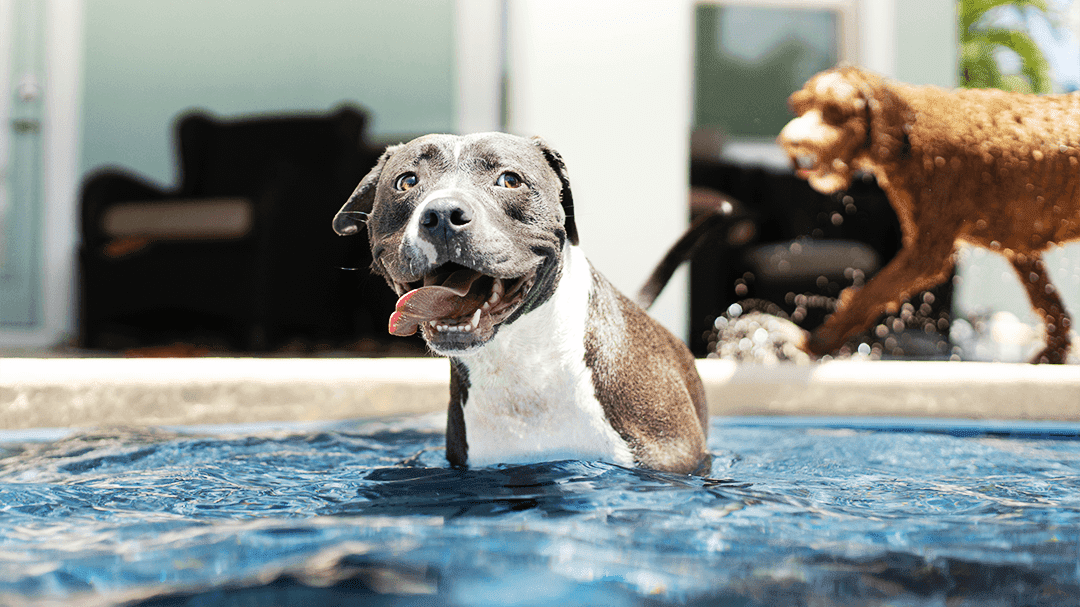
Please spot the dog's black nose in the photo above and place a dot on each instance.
(445, 216)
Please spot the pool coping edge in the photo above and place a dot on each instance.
(88, 392)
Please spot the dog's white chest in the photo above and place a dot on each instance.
(531, 397)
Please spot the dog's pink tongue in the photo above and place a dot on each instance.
(436, 302)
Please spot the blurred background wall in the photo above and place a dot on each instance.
(146, 62)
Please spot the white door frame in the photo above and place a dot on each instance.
(60, 166)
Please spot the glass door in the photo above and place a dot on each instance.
(22, 24)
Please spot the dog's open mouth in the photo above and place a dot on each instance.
(456, 299)
(826, 178)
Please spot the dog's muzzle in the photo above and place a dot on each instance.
(453, 300)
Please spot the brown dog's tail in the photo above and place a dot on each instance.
(727, 218)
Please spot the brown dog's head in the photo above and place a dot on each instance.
(469, 231)
(832, 127)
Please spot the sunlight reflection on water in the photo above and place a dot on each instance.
(368, 509)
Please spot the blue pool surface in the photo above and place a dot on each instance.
(796, 511)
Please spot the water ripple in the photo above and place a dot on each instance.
(120, 516)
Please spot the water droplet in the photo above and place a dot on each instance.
(761, 336)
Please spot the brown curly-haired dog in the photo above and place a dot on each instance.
(1000, 170)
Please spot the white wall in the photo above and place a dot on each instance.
(911, 40)
(608, 84)
(479, 49)
(148, 61)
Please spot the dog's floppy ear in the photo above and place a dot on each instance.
(356, 210)
(886, 114)
(555, 161)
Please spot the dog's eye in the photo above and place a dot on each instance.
(509, 179)
(405, 182)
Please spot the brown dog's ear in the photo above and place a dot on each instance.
(355, 212)
(886, 113)
(566, 198)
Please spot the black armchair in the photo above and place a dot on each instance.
(240, 256)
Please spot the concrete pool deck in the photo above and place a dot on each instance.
(89, 392)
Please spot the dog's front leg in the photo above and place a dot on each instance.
(914, 269)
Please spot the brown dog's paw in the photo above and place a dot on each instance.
(823, 341)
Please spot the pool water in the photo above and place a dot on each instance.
(827, 512)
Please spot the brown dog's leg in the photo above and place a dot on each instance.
(914, 269)
(1047, 305)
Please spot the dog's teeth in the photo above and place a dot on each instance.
(494, 299)
(486, 307)
(475, 322)
(497, 290)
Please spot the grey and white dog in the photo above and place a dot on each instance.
(548, 361)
